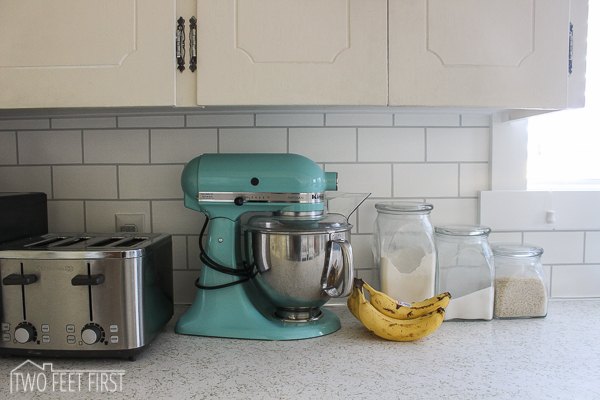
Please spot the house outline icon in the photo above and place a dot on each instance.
(40, 367)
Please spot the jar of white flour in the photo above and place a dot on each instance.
(466, 270)
(404, 250)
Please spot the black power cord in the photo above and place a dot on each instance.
(245, 273)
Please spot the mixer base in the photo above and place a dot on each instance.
(299, 315)
(230, 313)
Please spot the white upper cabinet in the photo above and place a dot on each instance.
(84, 53)
(506, 54)
(292, 52)
(492, 53)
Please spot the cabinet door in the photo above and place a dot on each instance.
(292, 52)
(80, 53)
(496, 53)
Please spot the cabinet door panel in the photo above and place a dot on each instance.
(75, 53)
(494, 53)
(458, 38)
(292, 52)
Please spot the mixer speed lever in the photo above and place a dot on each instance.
(238, 201)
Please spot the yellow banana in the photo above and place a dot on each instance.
(399, 310)
(391, 328)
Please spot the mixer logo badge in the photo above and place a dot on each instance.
(30, 377)
(318, 196)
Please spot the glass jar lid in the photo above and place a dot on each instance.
(516, 250)
(463, 230)
(404, 207)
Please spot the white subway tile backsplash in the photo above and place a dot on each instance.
(324, 144)
(253, 140)
(150, 181)
(193, 252)
(592, 247)
(128, 146)
(454, 211)
(425, 180)
(8, 148)
(370, 275)
(184, 289)
(26, 179)
(367, 215)
(172, 217)
(426, 119)
(505, 237)
(391, 144)
(20, 124)
(84, 123)
(132, 163)
(101, 215)
(473, 179)
(181, 145)
(359, 119)
(218, 120)
(49, 147)
(154, 121)
(575, 281)
(559, 247)
(296, 119)
(66, 216)
(85, 182)
(458, 144)
(363, 178)
(361, 247)
(179, 252)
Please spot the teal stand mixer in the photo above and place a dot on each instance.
(265, 278)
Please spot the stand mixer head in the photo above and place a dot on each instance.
(240, 298)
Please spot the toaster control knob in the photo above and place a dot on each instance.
(25, 332)
(92, 333)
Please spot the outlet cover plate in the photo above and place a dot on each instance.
(130, 223)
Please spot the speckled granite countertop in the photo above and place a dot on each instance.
(557, 357)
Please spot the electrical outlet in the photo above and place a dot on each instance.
(129, 222)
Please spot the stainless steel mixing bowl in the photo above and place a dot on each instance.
(301, 263)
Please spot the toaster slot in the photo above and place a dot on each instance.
(132, 241)
(46, 242)
(106, 242)
(72, 241)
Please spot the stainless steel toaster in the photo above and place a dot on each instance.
(84, 294)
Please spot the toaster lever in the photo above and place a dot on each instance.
(19, 279)
(87, 280)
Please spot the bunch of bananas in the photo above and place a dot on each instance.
(393, 320)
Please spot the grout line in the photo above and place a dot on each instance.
(356, 142)
(17, 146)
(118, 183)
(82, 147)
(52, 181)
(425, 145)
(150, 146)
(85, 216)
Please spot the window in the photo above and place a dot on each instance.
(564, 147)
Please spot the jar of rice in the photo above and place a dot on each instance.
(520, 286)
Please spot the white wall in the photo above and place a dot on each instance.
(95, 164)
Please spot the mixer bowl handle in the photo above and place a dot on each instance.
(338, 272)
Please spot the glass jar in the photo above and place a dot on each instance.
(466, 270)
(520, 288)
(404, 250)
